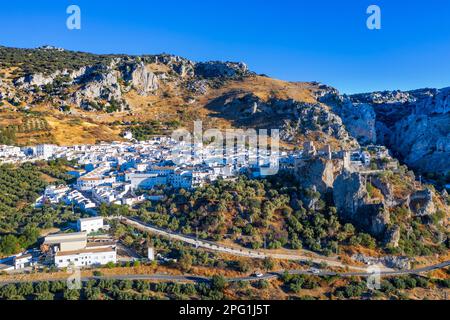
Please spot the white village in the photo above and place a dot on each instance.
(129, 173)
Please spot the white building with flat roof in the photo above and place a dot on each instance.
(73, 249)
(79, 200)
(90, 225)
(145, 180)
(23, 261)
(45, 151)
(86, 257)
(55, 194)
(150, 254)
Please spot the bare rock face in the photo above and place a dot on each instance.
(298, 118)
(421, 203)
(318, 173)
(218, 69)
(349, 193)
(432, 101)
(37, 79)
(351, 199)
(423, 141)
(99, 83)
(144, 81)
(414, 124)
(197, 87)
(181, 66)
(358, 118)
(396, 262)
(385, 97)
(393, 237)
(387, 191)
(105, 86)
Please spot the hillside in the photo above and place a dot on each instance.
(62, 97)
(86, 98)
(57, 96)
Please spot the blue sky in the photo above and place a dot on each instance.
(294, 40)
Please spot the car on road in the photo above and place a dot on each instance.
(258, 275)
(315, 271)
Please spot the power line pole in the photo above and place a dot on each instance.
(196, 237)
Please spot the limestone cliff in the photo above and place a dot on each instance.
(351, 200)
(414, 124)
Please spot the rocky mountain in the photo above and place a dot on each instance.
(49, 95)
(104, 95)
(383, 203)
(415, 125)
(121, 92)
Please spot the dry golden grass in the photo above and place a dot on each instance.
(8, 118)
(172, 102)
(8, 73)
(428, 294)
(47, 178)
(157, 67)
(67, 132)
(266, 88)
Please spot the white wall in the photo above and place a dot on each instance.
(85, 259)
(90, 225)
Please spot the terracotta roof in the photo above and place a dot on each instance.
(78, 252)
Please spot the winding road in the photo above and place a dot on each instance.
(238, 251)
(359, 271)
(273, 275)
(268, 276)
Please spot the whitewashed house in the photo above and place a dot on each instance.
(90, 225)
(23, 261)
(44, 151)
(74, 249)
(86, 257)
(54, 194)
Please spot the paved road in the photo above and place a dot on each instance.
(273, 275)
(268, 276)
(235, 251)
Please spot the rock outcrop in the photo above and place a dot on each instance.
(105, 81)
(99, 84)
(297, 118)
(414, 124)
(387, 191)
(421, 203)
(142, 80)
(396, 262)
(220, 69)
(392, 237)
(37, 79)
(351, 199)
(318, 173)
